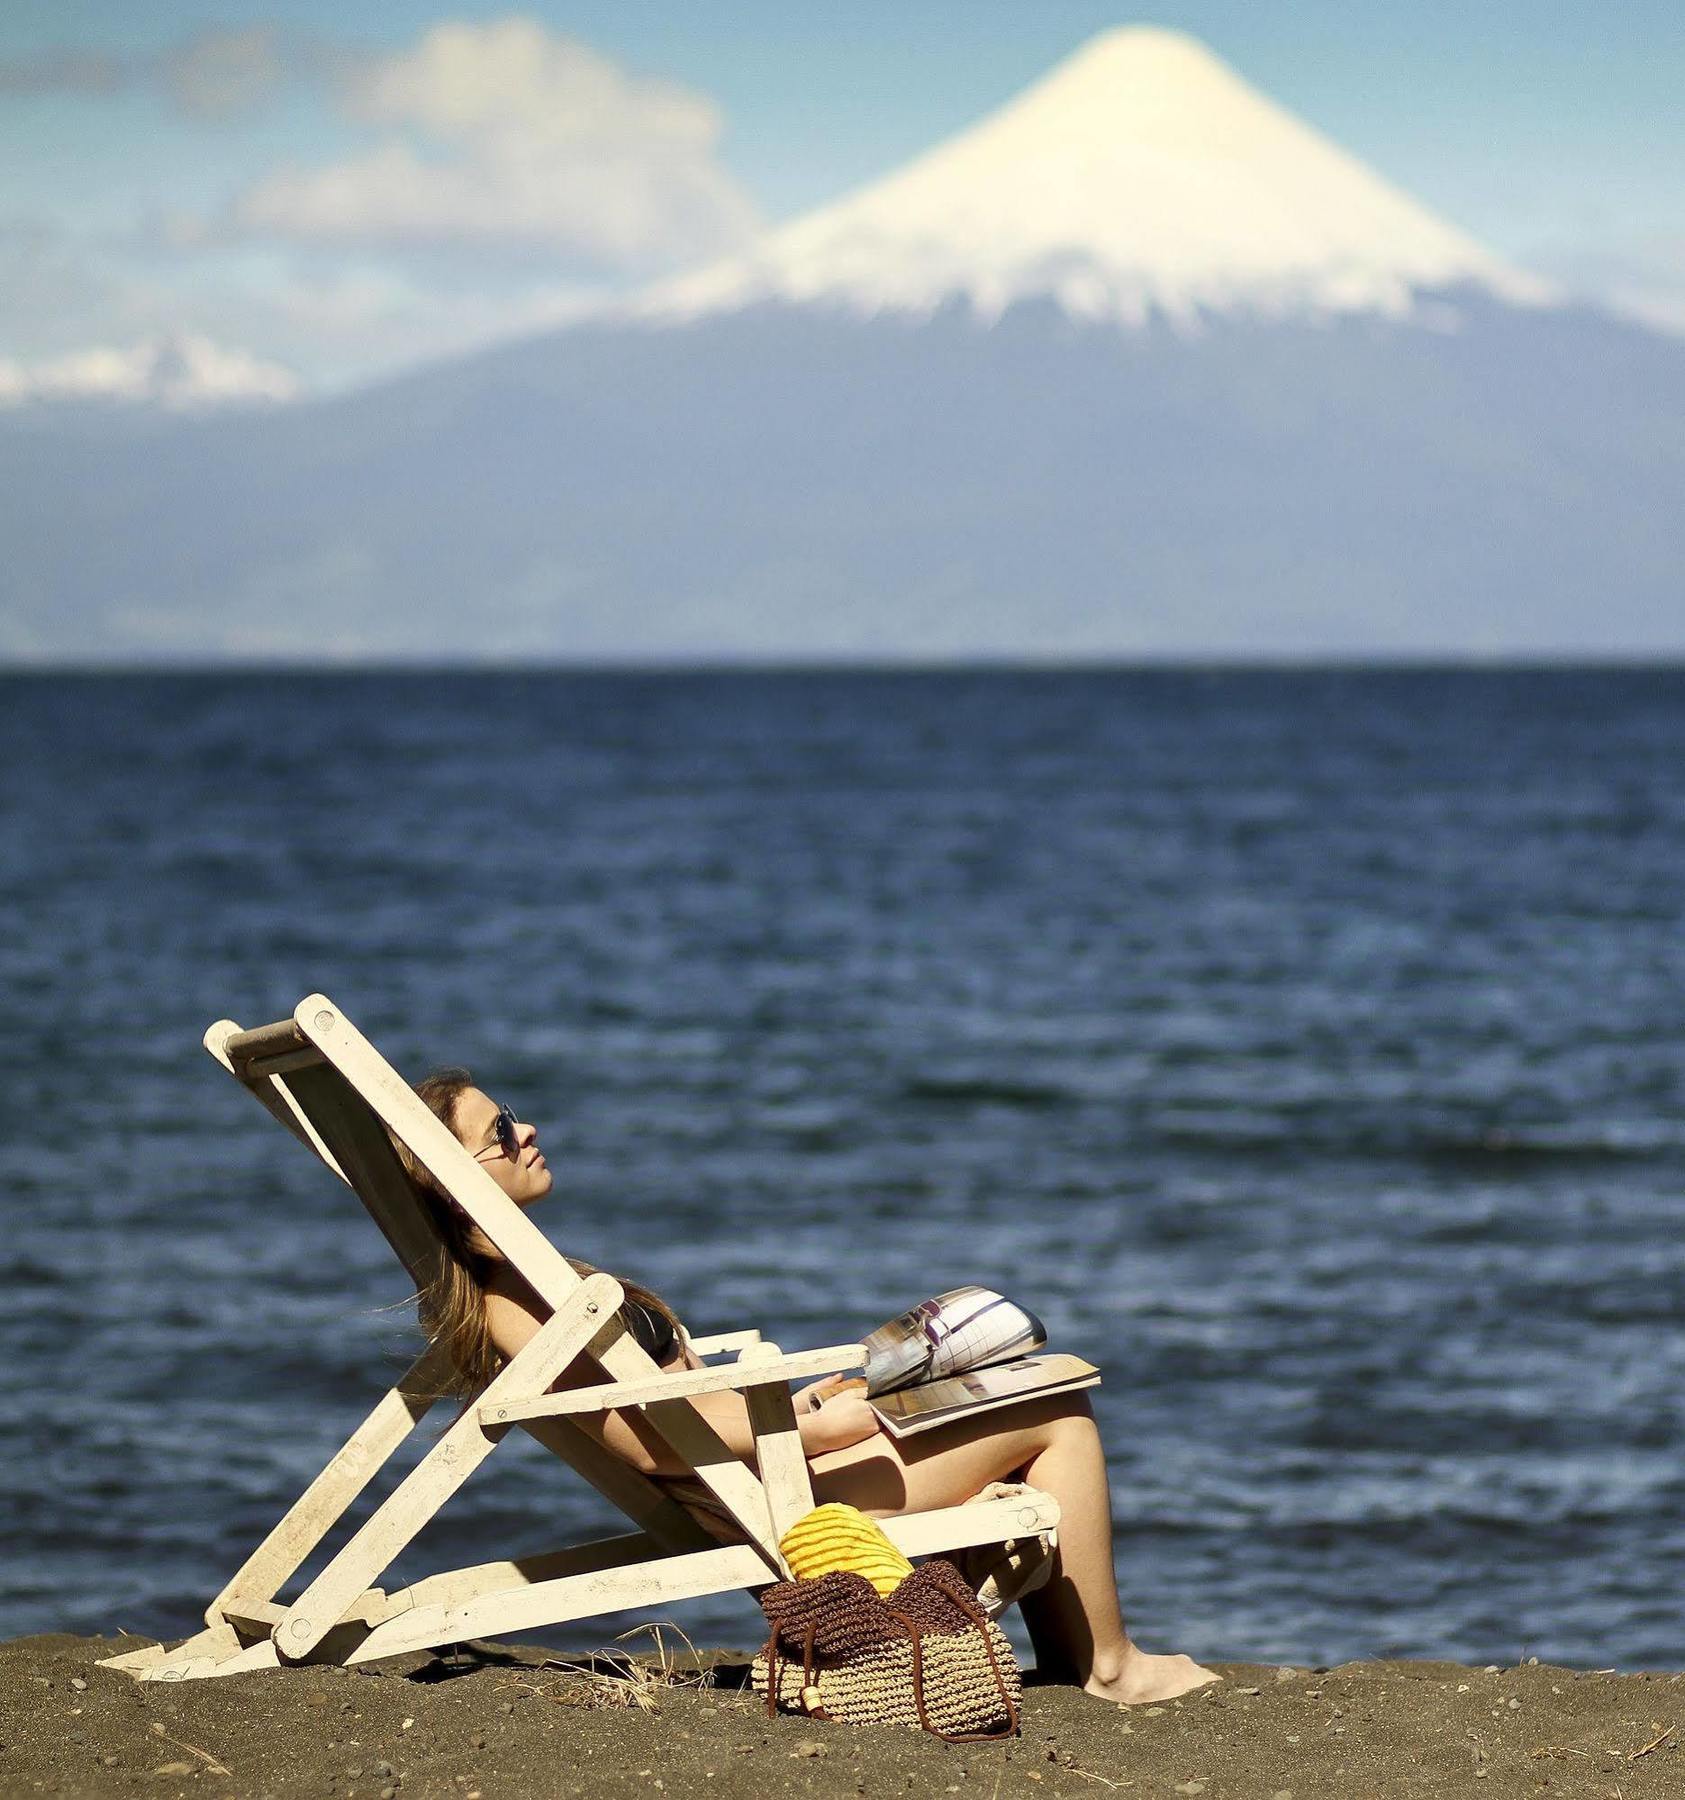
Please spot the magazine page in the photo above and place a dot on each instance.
(961, 1329)
(914, 1409)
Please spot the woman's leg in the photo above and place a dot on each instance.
(1074, 1621)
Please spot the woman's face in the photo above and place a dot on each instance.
(525, 1176)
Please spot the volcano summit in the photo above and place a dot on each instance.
(1141, 177)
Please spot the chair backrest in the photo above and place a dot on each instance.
(330, 1087)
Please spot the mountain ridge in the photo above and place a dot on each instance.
(795, 487)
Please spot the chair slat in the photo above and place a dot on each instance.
(271, 1095)
(452, 1587)
(546, 1603)
(751, 1370)
(778, 1441)
(246, 1047)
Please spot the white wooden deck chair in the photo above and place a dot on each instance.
(328, 1085)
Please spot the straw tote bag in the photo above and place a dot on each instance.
(924, 1656)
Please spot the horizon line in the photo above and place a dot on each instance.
(1329, 662)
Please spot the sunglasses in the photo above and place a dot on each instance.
(507, 1143)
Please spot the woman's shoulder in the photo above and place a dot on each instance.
(501, 1282)
(514, 1310)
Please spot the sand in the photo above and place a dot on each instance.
(496, 1723)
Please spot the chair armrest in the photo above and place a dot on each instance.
(718, 1342)
(686, 1385)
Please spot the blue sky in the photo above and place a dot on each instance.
(220, 169)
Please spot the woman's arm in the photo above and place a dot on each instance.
(836, 1424)
(833, 1426)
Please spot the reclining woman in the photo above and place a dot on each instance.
(484, 1312)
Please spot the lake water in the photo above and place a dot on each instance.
(1306, 1047)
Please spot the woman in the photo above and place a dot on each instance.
(484, 1313)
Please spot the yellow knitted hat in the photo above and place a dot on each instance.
(842, 1537)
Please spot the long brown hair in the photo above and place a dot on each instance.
(451, 1308)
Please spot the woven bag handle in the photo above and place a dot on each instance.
(772, 1674)
(771, 1655)
(967, 1603)
(951, 1584)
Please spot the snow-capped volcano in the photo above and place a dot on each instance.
(1141, 176)
(815, 453)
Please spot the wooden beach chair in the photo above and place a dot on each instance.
(326, 1083)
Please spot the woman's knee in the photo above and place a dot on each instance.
(1067, 1416)
(1076, 1406)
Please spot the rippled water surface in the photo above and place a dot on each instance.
(1307, 1048)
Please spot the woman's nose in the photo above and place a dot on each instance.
(525, 1135)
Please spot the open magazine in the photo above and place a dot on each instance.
(965, 1351)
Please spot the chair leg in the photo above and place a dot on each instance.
(328, 1599)
(319, 1508)
(542, 1603)
(455, 1587)
(203, 1654)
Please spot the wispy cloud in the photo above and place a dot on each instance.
(226, 74)
(213, 75)
(502, 178)
(506, 136)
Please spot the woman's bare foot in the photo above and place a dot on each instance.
(1144, 1679)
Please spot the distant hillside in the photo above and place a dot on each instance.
(784, 485)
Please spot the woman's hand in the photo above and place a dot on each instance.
(845, 1418)
(809, 1399)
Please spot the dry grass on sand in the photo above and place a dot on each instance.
(500, 1723)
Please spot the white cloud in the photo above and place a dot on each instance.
(506, 137)
(509, 180)
(1661, 310)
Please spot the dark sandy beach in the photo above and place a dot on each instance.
(498, 1723)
